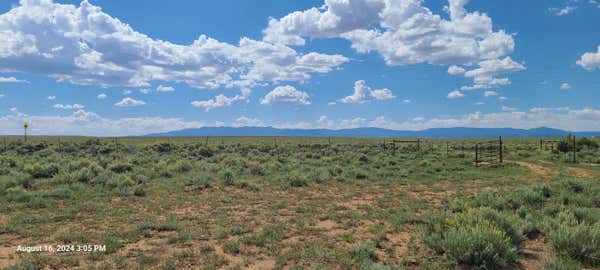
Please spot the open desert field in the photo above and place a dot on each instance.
(295, 203)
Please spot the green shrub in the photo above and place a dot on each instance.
(479, 237)
(365, 252)
(580, 242)
(182, 166)
(248, 186)
(158, 226)
(560, 263)
(199, 182)
(481, 244)
(121, 167)
(139, 191)
(231, 247)
(227, 178)
(41, 170)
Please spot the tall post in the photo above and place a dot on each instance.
(329, 140)
(574, 150)
(541, 144)
(116, 145)
(206, 142)
(419, 145)
(25, 126)
(4, 141)
(500, 148)
(394, 145)
(447, 150)
(59, 146)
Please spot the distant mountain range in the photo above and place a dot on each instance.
(455, 132)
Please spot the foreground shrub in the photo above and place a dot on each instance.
(580, 242)
(121, 167)
(41, 170)
(199, 183)
(480, 245)
(479, 237)
(560, 263)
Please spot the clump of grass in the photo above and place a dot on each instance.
(70, 236)
(181, 166)
(231, 247)
(139, 191)
(41, 170)
(227, 178)
(580, 242)
(158, 226)
(478, 237)
(121, 167)
(294, 179)
(560, 263)
(199, 182)
(364, 253)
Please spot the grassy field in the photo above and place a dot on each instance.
(296, 203)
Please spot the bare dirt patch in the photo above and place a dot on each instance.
(537, 169)
(264, 264)
(8, 256)
(533, 252)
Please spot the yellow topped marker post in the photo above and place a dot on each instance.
(25, 126)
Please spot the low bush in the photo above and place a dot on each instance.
(231, 247)
(580, 242)
(41, 170)
(199, 182)
(158, 226)
(121, 167)
(479, 237)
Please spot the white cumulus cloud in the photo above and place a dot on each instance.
(490, 93)
(68, 106)
(565, 86)
(286, 95)
(11, 79)
(165, 89)
(129, 102)
(590, 60)
(456, 70)
(102, 96)
(84, 45)
(51, 97)
(455, 94)
(221, 100)
(363, 94)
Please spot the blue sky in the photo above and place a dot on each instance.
(107, 67)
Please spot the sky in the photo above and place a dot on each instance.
(108, 67)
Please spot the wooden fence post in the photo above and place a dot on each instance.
(447, 150)
(206, 142)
